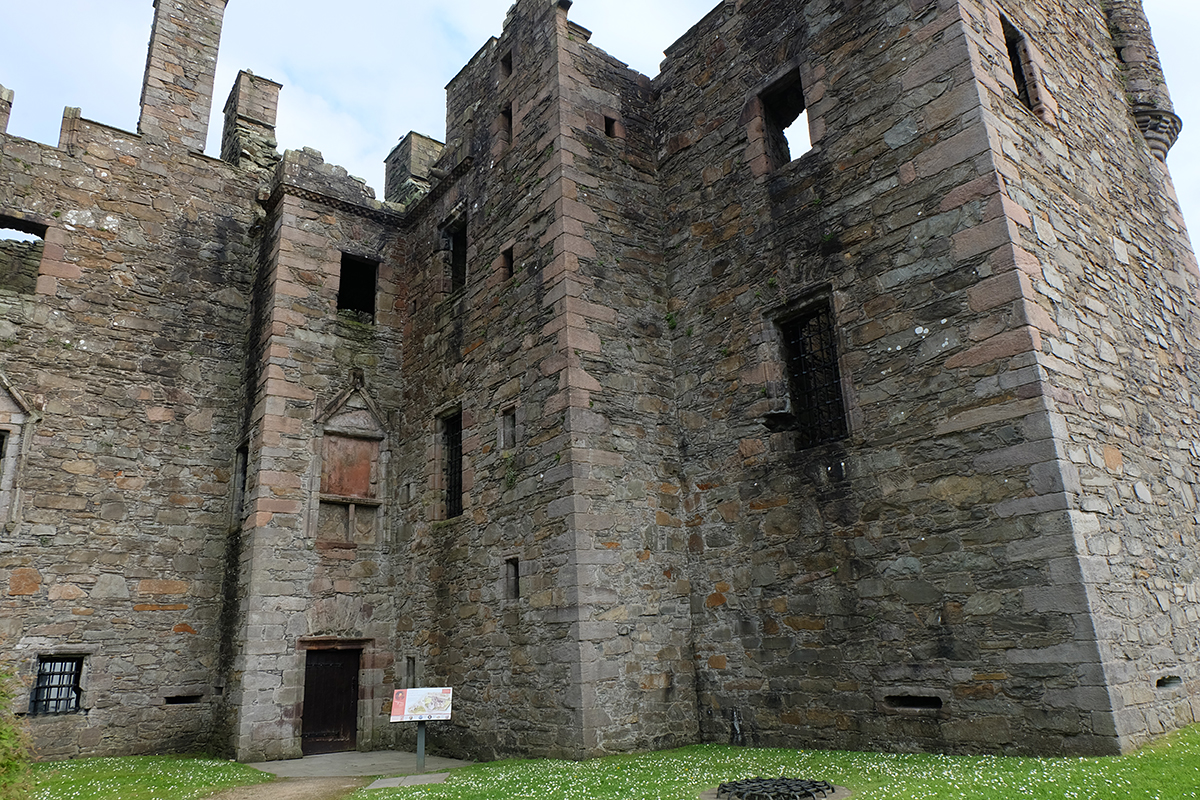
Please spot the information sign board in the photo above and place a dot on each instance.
(421, 705)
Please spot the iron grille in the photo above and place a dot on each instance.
(452, 445)
(58, 688)
(774, 789)
(816, 385)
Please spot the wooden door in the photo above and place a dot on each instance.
(330, 717)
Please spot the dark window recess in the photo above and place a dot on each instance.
(785, 123)
(21, 246)
(512, 578)
(506, 123)
(1014, 40)
(452, 448)
(3, 449)
(456, 241)
(509, 264)
(610, 127)
(58, 689)
(818, 413)
(410, 673)
(913, 702)
(506, 64)
(356, 294)
(508, 429)
(1168, 682)
(184, 699)
(241, 465)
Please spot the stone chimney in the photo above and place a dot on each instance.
(248, 139)
(409, 167)
(180, 70)
(6, 101)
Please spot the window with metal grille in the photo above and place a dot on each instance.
(58, 689)
(810, 344)
(452, 450)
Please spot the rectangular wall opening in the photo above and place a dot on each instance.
(22, 244)
(452, 429)
(814, 378)
(508, 264)
(785, 120)
(512, 578)
(356, 291)
(1014, 40)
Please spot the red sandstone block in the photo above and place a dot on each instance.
(985, 237)
(996, 291)
(1004, 345)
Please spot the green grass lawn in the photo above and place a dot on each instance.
(139, 778)
(1168, 770)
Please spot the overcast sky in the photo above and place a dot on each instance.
(357, 80)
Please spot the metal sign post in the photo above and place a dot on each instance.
(421, 706)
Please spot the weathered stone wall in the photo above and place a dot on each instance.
(131, 354)
(1109, 261)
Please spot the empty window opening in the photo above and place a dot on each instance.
(508, 263)
(452, 427)
(456, 242)
(785, 121)
(610, 127)
(1014, 40)
(1168, 682)
(184, 699)
(512, 578)
(59, 685)
(508, 429)
(22, 244)
(506, 64)
(913, 702)
(810, 346)
(356, 293)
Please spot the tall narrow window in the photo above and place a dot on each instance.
(241, 474)
(356, 292)
(506, 64)
(456, 243)
(810, 345)
(410, 672)
(452, 464)
(512, 578)
(785, 123)
(1014, 40)
(506, 123)
(59, 685)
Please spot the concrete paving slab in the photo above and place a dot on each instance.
(339, 765)
(410, 780)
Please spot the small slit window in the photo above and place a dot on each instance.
(22, 245)
(508, 264)
(508, 429)
(1017, 48)
(814, 380)
(506, 64)
(59, 686)
(512, 579)
(356, 291)
(785, 120)
(183, 699)
(452, 429)
(610, 127)
(506, 124)
(913, 702)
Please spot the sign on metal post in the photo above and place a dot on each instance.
(421, 706)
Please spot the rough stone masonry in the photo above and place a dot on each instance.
(619, 414)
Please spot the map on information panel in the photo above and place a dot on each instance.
(421, 705)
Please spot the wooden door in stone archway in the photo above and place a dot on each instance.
(330, 716)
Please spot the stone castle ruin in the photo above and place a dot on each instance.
(615, 415)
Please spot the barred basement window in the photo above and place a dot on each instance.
(452, 464)
(810, 345)
(59, 685)
(356, 292)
